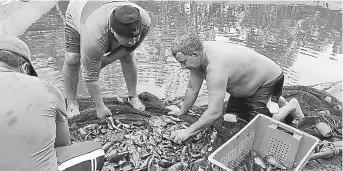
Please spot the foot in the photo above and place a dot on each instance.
(273, 107)
(73, 110)
(297, 114)
(282, 102)
(136, 103)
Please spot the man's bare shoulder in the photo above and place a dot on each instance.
(219, 53)
(223, 44)
(229, 52)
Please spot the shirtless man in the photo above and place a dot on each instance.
(98, 33)
(250, 78)
(34, 128)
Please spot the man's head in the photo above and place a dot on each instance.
(126, 24)
(186, 49)
(15, 55)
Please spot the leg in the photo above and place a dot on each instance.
(85, 156)
(71, 69)
(276, 100)
(282, 102)
(70, 72)
(284, 112)
(297, 114)
(237, 107)
(291, 108)
(129, 68)
(257, 103)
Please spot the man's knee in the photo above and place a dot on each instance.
(72, 59)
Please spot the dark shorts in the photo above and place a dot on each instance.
(85, 156)
(72, 39)
(247, 108)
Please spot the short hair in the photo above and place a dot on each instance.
(11, 58)
(187, 44)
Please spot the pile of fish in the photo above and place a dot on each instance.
(253, 162)
(145, 145)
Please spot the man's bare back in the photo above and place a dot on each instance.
(249, 77)
(247, 70)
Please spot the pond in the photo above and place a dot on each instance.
(303, 39)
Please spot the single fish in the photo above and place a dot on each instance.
(272, 161)
(238, 169)
(259, 164)
(114, 156)
(111, 124)
(270, 168)
(249, 161)
(178, 166)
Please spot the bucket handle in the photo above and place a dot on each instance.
(280, 127)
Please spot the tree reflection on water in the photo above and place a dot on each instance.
(277, 31)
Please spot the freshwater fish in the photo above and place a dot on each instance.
(255, 162)
(273, 163)
(239, 169)
(259, 164)
(140, 140)
(249, 161)
(151, 142)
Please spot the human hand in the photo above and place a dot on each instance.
(136, 103)
(180, 135)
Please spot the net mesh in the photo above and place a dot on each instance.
(311, 100)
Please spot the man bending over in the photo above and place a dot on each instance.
(250, 78)
(98, 33)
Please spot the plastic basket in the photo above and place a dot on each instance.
(265, 136)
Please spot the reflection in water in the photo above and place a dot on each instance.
(297, 37)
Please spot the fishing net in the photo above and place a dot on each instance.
(122, 111)
(142, 134)
(313, 102)
(318, 107)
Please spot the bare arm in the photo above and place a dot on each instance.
(216, 86)
(91, 56)
(62, 128)
(129, 68)
(194, 85)
(128, 62)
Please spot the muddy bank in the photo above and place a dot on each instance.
(17, 16)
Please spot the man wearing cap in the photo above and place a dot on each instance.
(33, 126)
(98, 33)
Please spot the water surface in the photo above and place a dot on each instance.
(303, 39)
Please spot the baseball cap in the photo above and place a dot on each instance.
(126, 21)
(15, 45)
